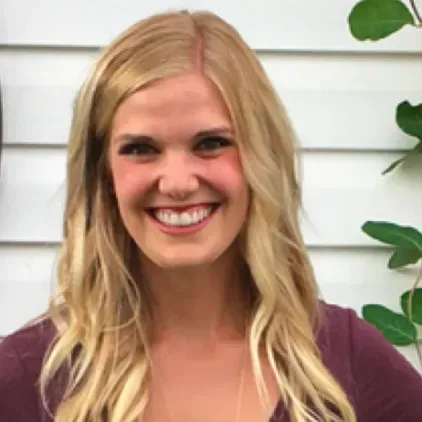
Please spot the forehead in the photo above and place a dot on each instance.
(187, 102)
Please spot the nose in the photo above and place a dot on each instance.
(178, 176)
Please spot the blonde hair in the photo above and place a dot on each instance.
(101, 313)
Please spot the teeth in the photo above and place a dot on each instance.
(184, 219)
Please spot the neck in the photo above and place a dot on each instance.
(205, 303)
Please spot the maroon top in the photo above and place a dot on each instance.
(381, 384)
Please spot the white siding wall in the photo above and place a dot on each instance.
(341, 95)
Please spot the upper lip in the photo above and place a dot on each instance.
(183, 206)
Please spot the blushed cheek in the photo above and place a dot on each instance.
(227, 174)
(131, 184)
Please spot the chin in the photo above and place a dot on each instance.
(182, 262)
(184, 257)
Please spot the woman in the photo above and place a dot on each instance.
(185, 289)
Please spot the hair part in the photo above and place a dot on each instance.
(101, 311)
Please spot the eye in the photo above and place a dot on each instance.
(137, 149)
(212, 144)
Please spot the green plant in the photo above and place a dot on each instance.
(374, 20)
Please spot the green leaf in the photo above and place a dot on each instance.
(392, 234)
(414, 151)
(376, 19)
(396, 327)
(402, 257)
(416, 305)
(409, 119)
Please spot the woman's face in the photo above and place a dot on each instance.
(176, 171)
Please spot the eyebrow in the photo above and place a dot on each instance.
(138, 137)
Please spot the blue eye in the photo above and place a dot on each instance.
(212, 143)
(137, 148)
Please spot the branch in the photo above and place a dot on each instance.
(412, 293)
(416, 12)
(410, 310)
(419, 353)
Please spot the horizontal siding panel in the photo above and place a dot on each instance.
(26, 281)
(31, 195)
(350, 278)
(20, 303)
(335, 102)
(296, 25)
(341, 191)
(28, 264)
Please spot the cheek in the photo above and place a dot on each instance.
(227, 174)
(130, 181)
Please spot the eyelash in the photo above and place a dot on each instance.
(145, 149)
(223, 143)
(133, 148)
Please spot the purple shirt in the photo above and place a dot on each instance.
(382, 385)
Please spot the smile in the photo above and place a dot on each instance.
(187, 217)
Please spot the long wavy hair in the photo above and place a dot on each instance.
(101, 309)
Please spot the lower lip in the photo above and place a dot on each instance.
(184, 230)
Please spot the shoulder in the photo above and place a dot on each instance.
(27, 346)
(381, 383)
(21, 357)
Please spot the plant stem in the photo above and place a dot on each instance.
(416, 12)
(412, 292)
(418, 351)
(410, 311)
